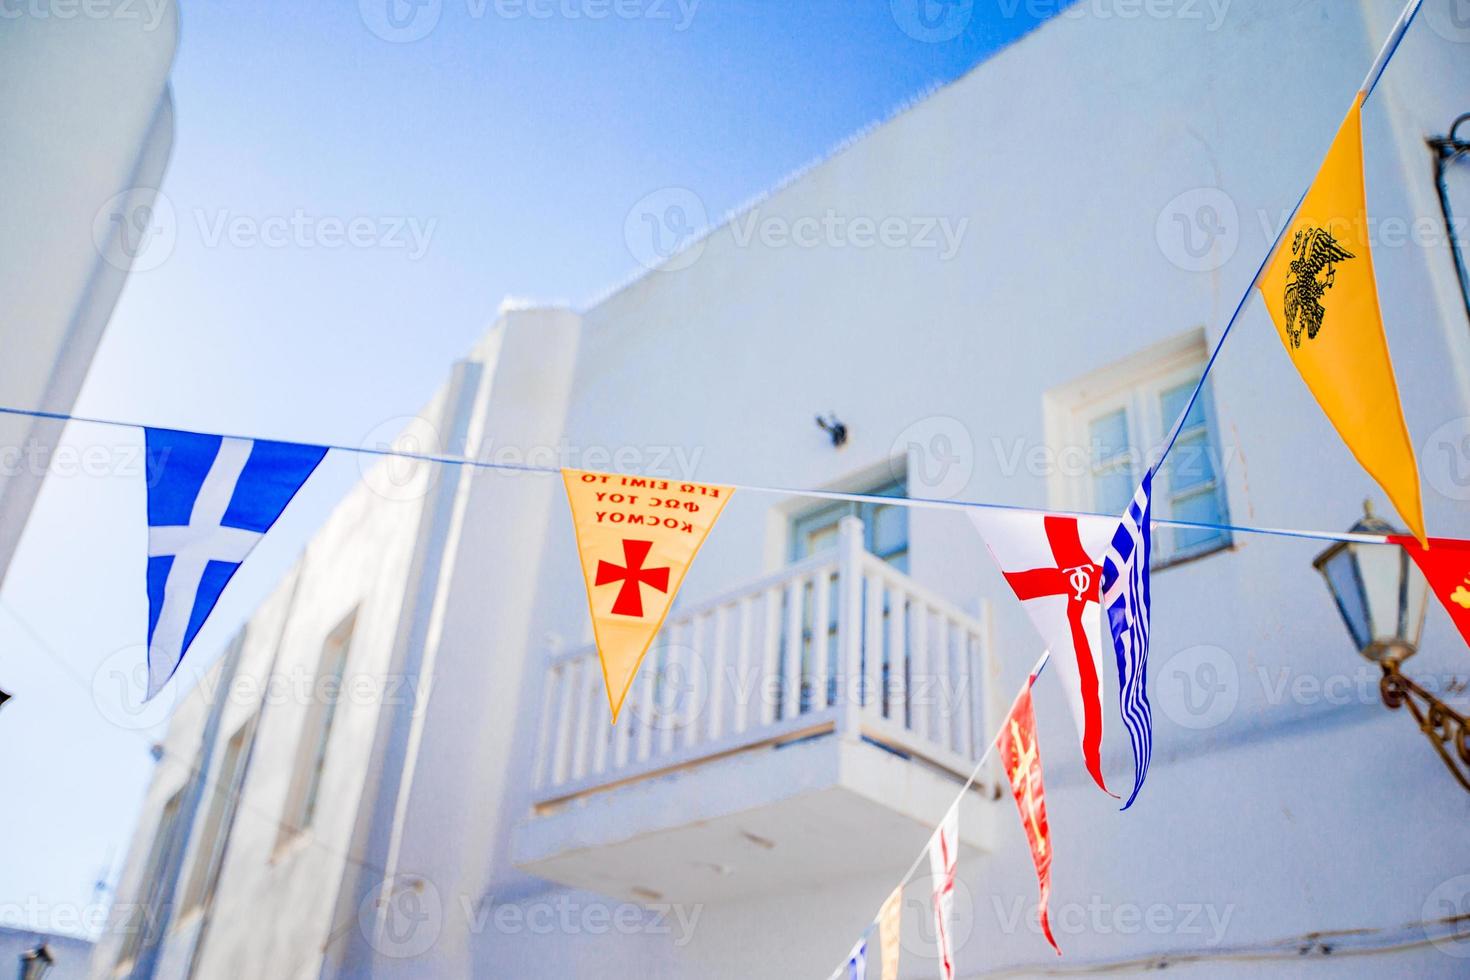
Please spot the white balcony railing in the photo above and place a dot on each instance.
(899, 667)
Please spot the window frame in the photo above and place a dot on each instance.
(313, 742)
(1137, 384)
(832, 513)
(219, 820)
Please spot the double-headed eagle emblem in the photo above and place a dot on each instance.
(1315, 254)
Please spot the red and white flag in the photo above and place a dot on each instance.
(1054, 565)
(943, 862)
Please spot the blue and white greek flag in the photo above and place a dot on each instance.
(1126, 601)
(857, 962)
(210, 499)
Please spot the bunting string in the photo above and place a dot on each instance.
(1370, 82)
(931, 503)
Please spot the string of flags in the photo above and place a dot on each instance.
(211, 499)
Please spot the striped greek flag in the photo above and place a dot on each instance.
(1126, 601)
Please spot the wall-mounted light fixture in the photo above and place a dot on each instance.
(1382, 596)
(1447, 150)
(834, 428)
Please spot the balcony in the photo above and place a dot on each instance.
(810, 726)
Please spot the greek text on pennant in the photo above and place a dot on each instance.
(636, 537)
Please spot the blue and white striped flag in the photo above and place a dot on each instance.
(857, 962)
(1125, 591)
(210, 499)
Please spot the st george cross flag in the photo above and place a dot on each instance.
(636, 537)
(944, 849)
(1126, 601)
(1021, 757)
(210, 499)
(1053, 565)
(1320, 289)
(1446, 564)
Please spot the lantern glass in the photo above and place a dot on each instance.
(1380, 592)
(1340, 567)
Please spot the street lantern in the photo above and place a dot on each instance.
(1379, 590)
(1382, 596)
(35, 963)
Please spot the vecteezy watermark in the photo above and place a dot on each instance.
(1286, 684)
(38, 458)
(932, 21)
(1190, 465)
(833, 229)
(665, 230)
(1198, 687)
(396, 462)
(1383, 231)
(1209, 12)
(918, 937)
(1449, 906)
(565, 915)
(406, 21)
(148, 13)
(63, 917)
(402, 917)
(120, 691)
(1445, 459)
(135, 230)
(138, 230)
(1199, 231)
(1206, 922)
(653, 460)
(1450, 19)
(936, 455)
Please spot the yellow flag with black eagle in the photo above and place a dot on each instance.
(1322, 295)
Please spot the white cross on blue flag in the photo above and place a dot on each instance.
(210, 499)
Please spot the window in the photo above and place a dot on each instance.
(1114, 419)
(885, 527)
(215, 834)
(316, 733)
(166, 841)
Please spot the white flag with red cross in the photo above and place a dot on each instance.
(1054, 565)
(944, 856)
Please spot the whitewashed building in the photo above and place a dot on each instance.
(1002, 292)
(86, 129)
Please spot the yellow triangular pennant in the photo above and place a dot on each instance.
(889, 927)
(1323, 297)
(636, 537)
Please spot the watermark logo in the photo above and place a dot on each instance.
(120, 689)
(1445, 459)
(932, 21)
(663, 230)
(1450, 19)
(681, 688)
(1449, 904)
(1198, 687)
(401, 478)
(920, 939)
(136, 230)
(402, 917)
(1199, 231)
(401, 21)
(936, 455)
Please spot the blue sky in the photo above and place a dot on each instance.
(499, 154)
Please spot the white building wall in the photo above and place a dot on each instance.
(85, 134)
